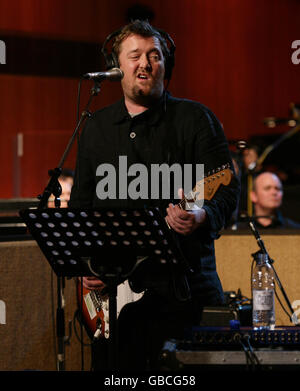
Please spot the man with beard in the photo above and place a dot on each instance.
(149, 126)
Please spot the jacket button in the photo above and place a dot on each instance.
(132, 135)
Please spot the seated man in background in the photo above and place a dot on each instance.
(267, 197)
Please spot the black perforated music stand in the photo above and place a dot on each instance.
(107, 243)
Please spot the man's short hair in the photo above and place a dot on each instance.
(144, 29)
(254, 187)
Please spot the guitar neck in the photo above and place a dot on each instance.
(206, 188)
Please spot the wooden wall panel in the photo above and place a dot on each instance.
(45, 109)
(69, 19)
(233, 56)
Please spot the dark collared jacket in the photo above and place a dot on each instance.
(278, 222)
(173, 131)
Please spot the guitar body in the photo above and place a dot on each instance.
(95, 308)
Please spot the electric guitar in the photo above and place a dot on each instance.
(95, 307)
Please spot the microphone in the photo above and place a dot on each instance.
(241, 144)
(257, 237)
(113, 74)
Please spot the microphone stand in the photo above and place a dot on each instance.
(263, 156)
(54, 187)
(293, 317)
(240, 147)
(282, 138)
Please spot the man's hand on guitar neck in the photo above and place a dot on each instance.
(182, 221)
(92, 283)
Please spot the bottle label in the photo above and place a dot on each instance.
(263, 300)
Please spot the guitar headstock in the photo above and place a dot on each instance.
(207, 187)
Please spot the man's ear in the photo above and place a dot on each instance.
(253, 196)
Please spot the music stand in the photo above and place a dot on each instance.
(108, 243)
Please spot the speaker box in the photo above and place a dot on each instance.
(28, 302)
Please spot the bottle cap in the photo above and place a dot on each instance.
(261, 257)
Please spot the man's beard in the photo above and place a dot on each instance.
(146, 98)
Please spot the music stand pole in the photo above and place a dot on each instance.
(53, 187)
(60, 326)
(113, 331)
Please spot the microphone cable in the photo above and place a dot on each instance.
(255, 359)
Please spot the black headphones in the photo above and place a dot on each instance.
(111, 59)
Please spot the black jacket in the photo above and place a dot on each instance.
(173, 131)
(278, 222)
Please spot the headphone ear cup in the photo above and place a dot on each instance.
(114, 60)
(111, 61)
(170, 60)
(169, 65)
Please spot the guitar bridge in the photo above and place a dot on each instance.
(97, 300)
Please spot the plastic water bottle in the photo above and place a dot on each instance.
(263, 294)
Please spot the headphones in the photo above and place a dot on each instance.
(111, 59)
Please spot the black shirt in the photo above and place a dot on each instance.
(278, 221)
(173, 131)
